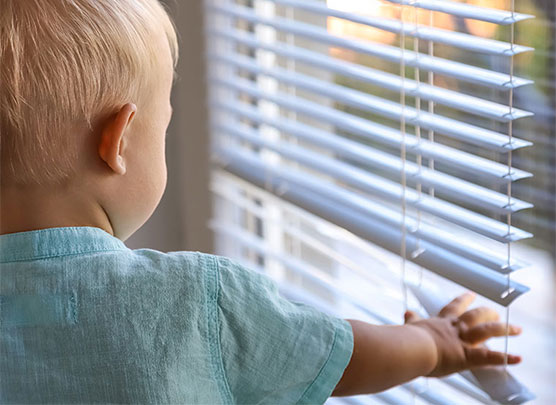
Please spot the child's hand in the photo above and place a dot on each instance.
(387, 355)
(458, 335)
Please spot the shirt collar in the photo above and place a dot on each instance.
(54, 242)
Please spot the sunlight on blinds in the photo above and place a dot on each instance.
(375, 131)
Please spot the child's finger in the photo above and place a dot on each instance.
(481, 356)
(479, 315)
(411, 316)
(485, 331)
(458, 305)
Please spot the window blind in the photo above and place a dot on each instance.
(323, 140)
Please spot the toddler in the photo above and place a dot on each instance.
(84, 106)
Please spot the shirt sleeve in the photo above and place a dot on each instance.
(275, 351)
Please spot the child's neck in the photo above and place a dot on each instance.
(31, 208)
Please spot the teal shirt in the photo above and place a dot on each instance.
(85, 319)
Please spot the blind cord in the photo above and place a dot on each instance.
(430, 134)
(509, 189)
(419, 158)
(431, 102)
(403, 247)
(417, 76)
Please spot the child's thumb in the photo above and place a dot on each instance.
(411, 316)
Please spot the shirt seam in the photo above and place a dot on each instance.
(56, 228)
(334, 342)
(214, 337)
(55, 255)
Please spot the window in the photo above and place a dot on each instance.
(370, 154)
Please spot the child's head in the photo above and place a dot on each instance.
(84, 100)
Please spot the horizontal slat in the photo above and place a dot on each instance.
(370, 103)
(338, 208)
(430, 396)
(456, 383)
(446, 67)
(487, 169)
(381, 187)
(359, 400)
(366, 102)
(496, 16)
(461, 246)
(457, 39)
(441, 153)
(387, 397)
(455, 188)
(450, 98)
(463, 191)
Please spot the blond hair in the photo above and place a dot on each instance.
(63, 64)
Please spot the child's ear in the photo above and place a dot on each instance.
(111, 144)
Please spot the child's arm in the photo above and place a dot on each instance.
(385, 356)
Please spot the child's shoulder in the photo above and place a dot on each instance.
(210, 269)
(192, 261)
